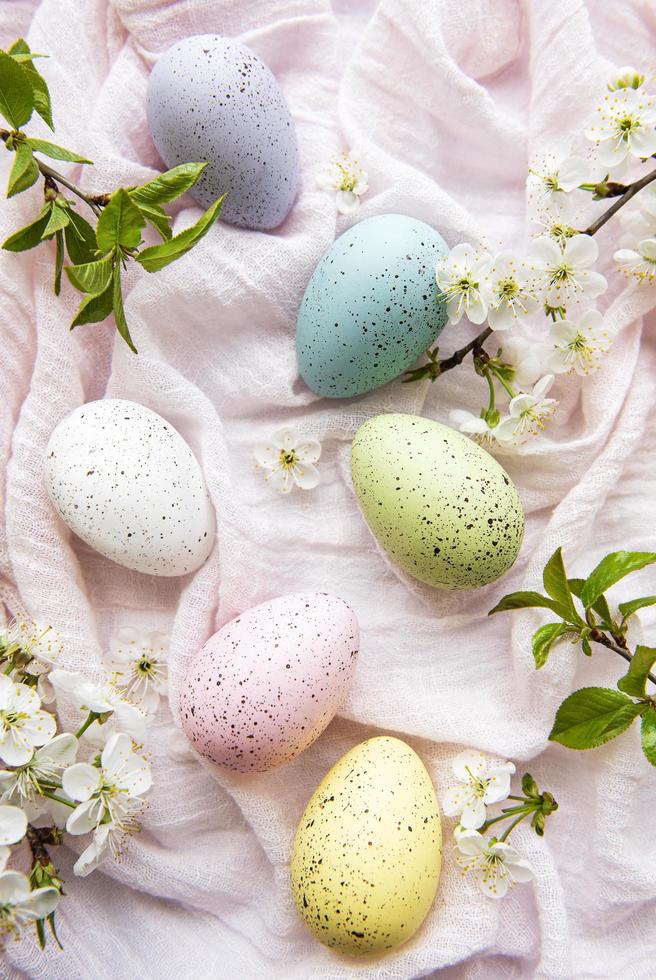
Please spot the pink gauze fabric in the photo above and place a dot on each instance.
(446, 102)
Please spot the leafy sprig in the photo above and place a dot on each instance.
(592, 716)
(99, 255)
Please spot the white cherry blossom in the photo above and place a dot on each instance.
(18, 903)
(138, 664)
(103, 698)
(23, 723)
(564, 272)
(511, 291)
(527, 414)
(347, 178)
(107, 792)
(288, 460)
(496, 865)
(639, 263)
(528, 358)
(472, 425)
(463, 278)
(624, 126)
(578, 346)
(22, 786)
(480, 784)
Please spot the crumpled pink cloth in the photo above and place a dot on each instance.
(445, 102)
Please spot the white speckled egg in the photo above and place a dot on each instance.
(128, 484)
(265, 686)
(211, 99)
(439, 504)
(371, 307)
(368, 850)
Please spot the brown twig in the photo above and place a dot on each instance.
(606, 641)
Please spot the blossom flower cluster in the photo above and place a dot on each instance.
(90, 781)
(555, 276)
(494, 863)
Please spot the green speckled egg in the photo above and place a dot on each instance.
(442, 508)
(368, 850)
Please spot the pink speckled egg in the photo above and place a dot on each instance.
(265, 686)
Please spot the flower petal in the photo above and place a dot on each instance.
(454, 800)
(14, 887)
(306, 476)
(81, 780)
(469, 842)
(14, 749)
(39, 903)
(473, 814)
(13, 824)
(6, 692)
(347, 202)
(581, 250)
(467, 764)
(85, 817)
(266, 455)
(308, 451)
(60, 751)
(117, 751)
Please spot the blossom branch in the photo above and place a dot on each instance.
(612, 644)
(630, 192)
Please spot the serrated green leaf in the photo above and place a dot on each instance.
(611, 569)
(160, 220)
(600, 605)
(158, 256)
(648, 736)
(16, 96)
(591, 716)
(20, 50)
(24, 171)
(634, 681)
(55, 152)
(526, 600)
(59, 261)
(27, 237)
(119, 312)
(168, 186)
(544, 639)
(91, 277)
(555, 584)
(629, 608)
(120, 223)
(93, 309)
(57, 220)
(80, 239)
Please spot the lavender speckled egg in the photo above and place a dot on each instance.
(439, 504)
(128, 484)
(368, 850)
(265, 686)
(211, 99)
(371, 307)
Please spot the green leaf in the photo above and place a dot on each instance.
(629, 608)
(24, 171)
(158, 218)
(555, 584)
(57, 221)
(59, 261)
(80, 239)
(28, 237)
(20, 51)
(544, 639)
(635, 681)
(648, 736)
(16, 96)
(55, 152)
(158, 256)
(120, 223)
(592, 716)
(524, 600)
(92, 277)
(168, 186)
(611, 569)
(93, 309)
(119, 312)
(600, 605)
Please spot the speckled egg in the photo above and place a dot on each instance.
(265, 686)
(368, 850)
(441, 507)
(211, 99)
(128, 484)
(371, 307)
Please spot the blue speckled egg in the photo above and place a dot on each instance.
(210, 98)
(371, 307)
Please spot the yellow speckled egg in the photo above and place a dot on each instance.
(368, 850)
